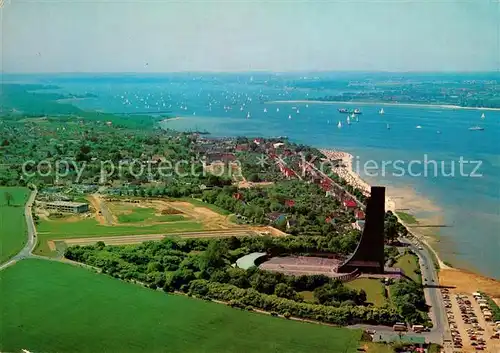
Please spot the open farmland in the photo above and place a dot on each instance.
(53, 305)
(13, 226)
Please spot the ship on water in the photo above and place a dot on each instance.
(339, 125)
(476, 128)
(381, 112)
(347, 111)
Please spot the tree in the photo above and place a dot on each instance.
(285, 291)
(8, 198)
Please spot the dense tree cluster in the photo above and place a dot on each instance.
(340, 315)
(409, 299)
(312, 212)
(203, 268)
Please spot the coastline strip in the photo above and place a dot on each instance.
(346, 172)
(416, 105)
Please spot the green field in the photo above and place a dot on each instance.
(372, 347)
(62, 229)
(407, 218)
(56, 307)
(373, 287)
(147, 215)
(409, 264)
(13, 225)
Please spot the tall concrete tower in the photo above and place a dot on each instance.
(369, 255)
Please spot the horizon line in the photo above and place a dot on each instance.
(251, 72)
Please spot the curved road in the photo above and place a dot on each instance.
(30, 224)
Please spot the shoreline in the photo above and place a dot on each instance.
(347, 173)
(416, 105)
(461, 280)
(166, 120)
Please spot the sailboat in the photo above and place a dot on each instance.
(289, 117)
(348, 121)
(298, 111)
(483, 116)
(248, 115)
(353, 115)
(339, 125)
(388, 127)
(307, 105)
(277, 110)
(265, 110)
(381, 112)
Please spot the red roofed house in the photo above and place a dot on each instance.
(350, 203)
(288, 172)
(360, 215)
(290, 203)
(242, 147)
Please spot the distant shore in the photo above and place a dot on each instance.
(166, 120)
(417, 105)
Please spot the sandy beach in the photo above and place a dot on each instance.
(170, 119)
(443, 106)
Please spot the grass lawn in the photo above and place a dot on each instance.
(147, 215)
(13, 234)
(373, 287)
(372, 347)
(409, 264)
(407, 218)
(61, 229)
(199, 203)
(58, 307)
(308, 296)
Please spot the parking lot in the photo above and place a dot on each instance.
(469, 329)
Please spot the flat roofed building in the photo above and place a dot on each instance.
(68, 207)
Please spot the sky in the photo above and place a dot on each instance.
(172, 36)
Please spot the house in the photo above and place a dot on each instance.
(220, 157)
(276, 217)
(360, 215)
(287, 172)
(67, 207)
(241, 148)
(359, 225)
(330, 220)
(350, 203)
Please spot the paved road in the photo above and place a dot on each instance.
(31, 243)
(440, 331)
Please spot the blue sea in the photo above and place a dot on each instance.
(468, 205)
